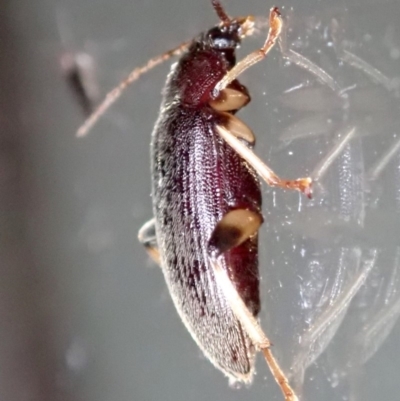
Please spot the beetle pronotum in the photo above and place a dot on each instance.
(207, 197)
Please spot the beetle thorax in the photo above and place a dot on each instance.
(208, 59)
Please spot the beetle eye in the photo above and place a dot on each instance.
(223, 43)
(223, 37)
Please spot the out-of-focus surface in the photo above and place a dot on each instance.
(85, 315)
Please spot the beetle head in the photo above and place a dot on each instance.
(228, 35)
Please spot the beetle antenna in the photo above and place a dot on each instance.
(219, 9)
(116, 93)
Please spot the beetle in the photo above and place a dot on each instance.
(207, 195)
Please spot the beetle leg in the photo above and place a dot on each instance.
(275, 28)
(147, 237)
(237, 127)
(229, 99)
(233, 229)
(301, 184)
(252, 328)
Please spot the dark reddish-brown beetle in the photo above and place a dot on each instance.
(207, 197)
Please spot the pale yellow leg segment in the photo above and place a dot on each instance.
(229, 99)
(253, 329)
(238, 128)
(235, 227)
(301, 184)
(275, 28)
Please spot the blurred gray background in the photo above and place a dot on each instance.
(85, 315)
